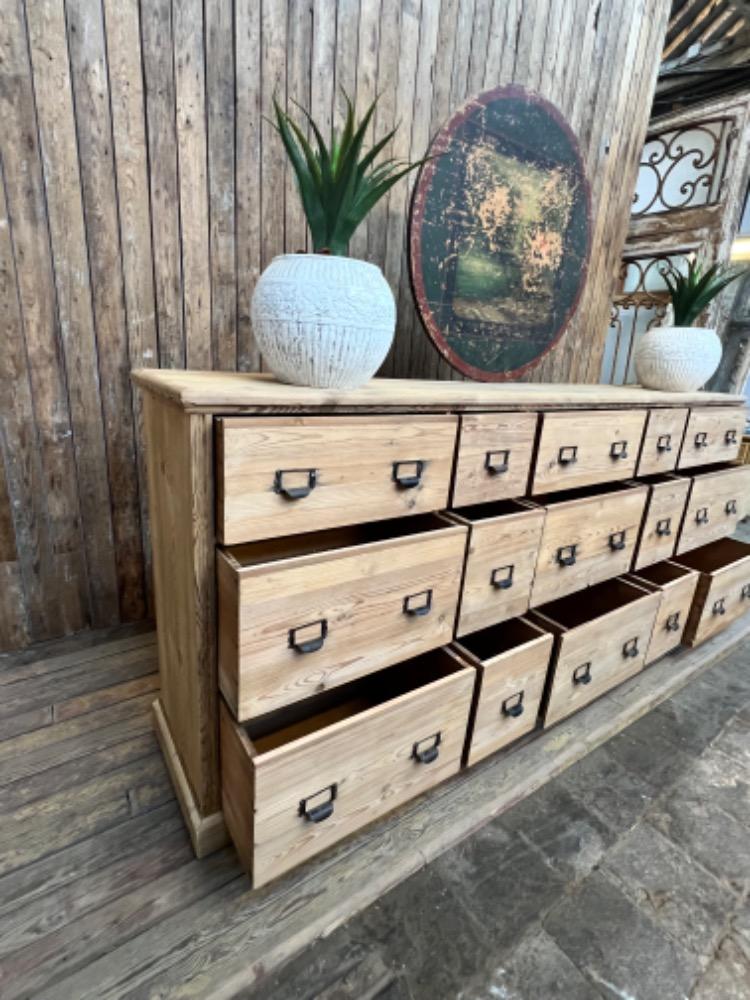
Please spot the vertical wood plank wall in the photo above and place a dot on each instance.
(141, 194)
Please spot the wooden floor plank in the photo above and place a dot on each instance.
(56, 654)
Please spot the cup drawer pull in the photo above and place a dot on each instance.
(664, 527)
(321, 811)
(731, 507)
(427, 754)
(630, 648)
(617, 541)
(410, 476)
(567, 554)
(664, 443)
(619, 450)
(513, 706)
(313, 644)
(295, 492)
(719, 607)
(582, 674)
(701, 515)
(418, 605)
(673, 622)
(496, 462)
(502, 577)
(568, 454)
(730, 437)
(701, 439)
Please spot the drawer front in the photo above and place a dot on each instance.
(581, 448)
(594, 657)
(283, 476)
(292, 629)
(714, 434)
(586, 541)
(500, 566)
(672, 616)
(720, 598)
(662, 441)
(661, 522)
(716, 504)
(494, 457)
(373, 762)
(512, 681)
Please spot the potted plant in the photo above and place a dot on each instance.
(322, 318)
(682, 357)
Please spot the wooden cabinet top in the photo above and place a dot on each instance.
(227, 392)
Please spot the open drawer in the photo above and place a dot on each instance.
(589, 535)
(302, 614)
(296, 782)
(493, 457)
(602, 639)
(512, 660)
(676, 585)
(665, 508)
(503, 547)
(723, 591)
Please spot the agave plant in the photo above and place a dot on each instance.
(338, 188)
(691, 293)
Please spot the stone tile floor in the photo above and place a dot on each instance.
(628, 878)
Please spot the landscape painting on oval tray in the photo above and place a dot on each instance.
(500, 234)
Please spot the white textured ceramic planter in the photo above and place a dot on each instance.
(677, 358)
(322, 320)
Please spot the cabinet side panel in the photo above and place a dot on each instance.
(180, 475)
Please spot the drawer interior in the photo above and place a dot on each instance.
(582, 493)
(497, 508)
(695, 471)
(657, 480)
(502, 638)
(312, 542)
(663, 573)
(585, 606)
(278, 729)
(716, 555)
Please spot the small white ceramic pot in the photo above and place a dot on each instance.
(677, 358)
(322, 320)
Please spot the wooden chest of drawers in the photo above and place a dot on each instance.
(340, 577)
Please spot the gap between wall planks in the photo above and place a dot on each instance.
(141, 194)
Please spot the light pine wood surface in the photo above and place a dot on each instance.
(493, 460)
(676, 585)
(723, 591)
(717, 502)
(662, 519)
(662, 440)
(712, 436)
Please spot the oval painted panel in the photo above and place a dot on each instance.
(499, 234)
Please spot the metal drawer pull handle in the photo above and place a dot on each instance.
(630, 648)
(418, 610)
(701, 515)
(295, 492)
(619, 449)
(429, 753)
(730, 437)
(504, 581)
(566, 555)
(664, 526)
(664, 442)
(309, 645)
(405, 480)
(496, 462)
(673, 622)
(701, 439)
(513, 706)
(568, 454)
(617, 540)
(719, 607)
(316, 814)
(731, 507)
(582, 674)
(745, 592)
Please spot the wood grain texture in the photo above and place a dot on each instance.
(717, 502)
(712, 436)
(348, 465)
(723, 591)
(662, 520)
(157, 195)
(180, 462)
(676, 586)
(662, 441)
(494, 457)
(358, 590)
